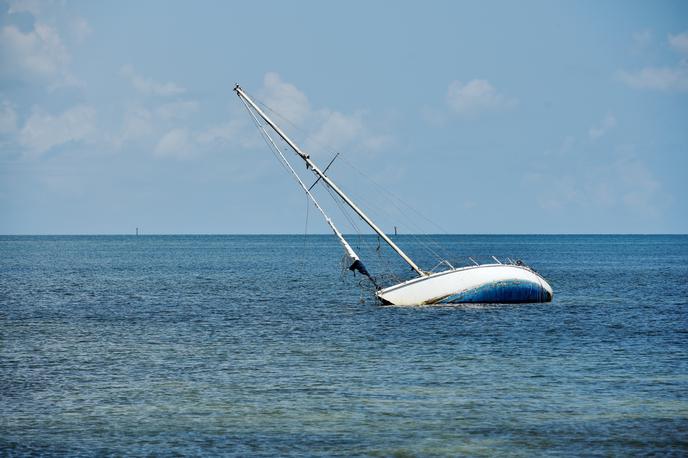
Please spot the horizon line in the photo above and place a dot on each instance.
(119, 234)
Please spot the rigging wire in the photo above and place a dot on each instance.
(347, 215)
(363, 174)
(285, 163)
(387, 267)
(271, 146)
(423, 239)
(419, 240)
(305, 235)
(395, 197)
(282, 117)
(431, 245)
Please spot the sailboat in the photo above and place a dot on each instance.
(511, 282)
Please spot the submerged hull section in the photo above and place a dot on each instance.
(489, 283)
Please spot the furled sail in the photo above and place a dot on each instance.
(352, 260)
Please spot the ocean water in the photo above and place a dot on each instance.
(259, 346)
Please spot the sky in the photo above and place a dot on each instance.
(457, 117)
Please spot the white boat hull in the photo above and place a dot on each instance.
(488, 283)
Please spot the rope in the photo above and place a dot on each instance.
(361, 240)
(305, 235)
(431, 246)
(285, 163)
(427, 245)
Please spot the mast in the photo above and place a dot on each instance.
(309, 163)
(350, 253)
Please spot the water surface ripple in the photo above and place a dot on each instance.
(251, 345)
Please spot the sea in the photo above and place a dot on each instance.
(262, 345)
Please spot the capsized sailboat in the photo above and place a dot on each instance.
(513, 282)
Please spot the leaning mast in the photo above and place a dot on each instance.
(309, 163)
(351, 254)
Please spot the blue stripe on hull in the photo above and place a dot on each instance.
(505, 292)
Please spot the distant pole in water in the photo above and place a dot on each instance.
(395, 230)
(137, 232)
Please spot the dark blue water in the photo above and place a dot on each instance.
(255, 345)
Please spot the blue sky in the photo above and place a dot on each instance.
(486, 117)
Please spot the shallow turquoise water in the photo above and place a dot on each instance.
(253, 345)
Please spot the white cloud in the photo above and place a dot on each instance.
(238, 131)
(375, 143)
(175, 143)
(36, 54)
(285, 98)
(659, 78)
(592, 178)
(326, 129)
(147, 125)
(475, 97)
(80, 28)
(184, 143)
(163, 127)
(601, 183)
(679, 42)
(180, 109)
(43, 131)
(8, 118)
(147, 86)
(25, 6)
(138, 123)
(664, 78)
(336, 130)
(220, 134)
(598, 131)
(162, 130)
(37, 51)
